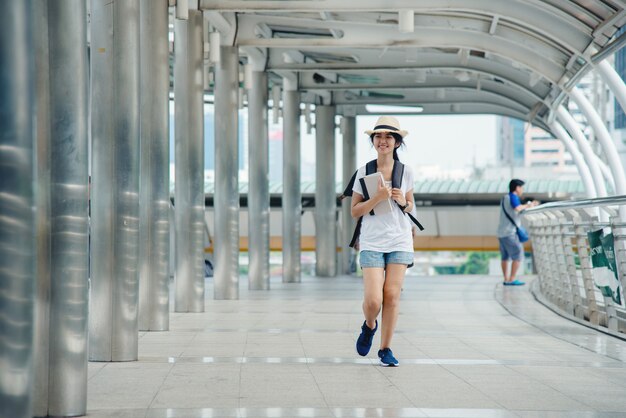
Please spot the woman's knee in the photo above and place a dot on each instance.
(391, 298)
(372, 303)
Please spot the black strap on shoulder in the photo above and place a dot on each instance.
(366, 195)
(507, 215)
(371, 167)
(396, 174)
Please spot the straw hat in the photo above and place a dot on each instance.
(387, 124)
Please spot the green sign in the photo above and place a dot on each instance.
(602, 252)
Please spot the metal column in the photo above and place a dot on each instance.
(41, 353)
(585, 148)
(17, 220)
(63, 259)
(604, 137)
(348, 169)
(258, 185)
(189, 171)
(154, 180)
(226, 199)
(115, 180)
(581, 165)
(292, 200)
(325, 194)
(614, 81)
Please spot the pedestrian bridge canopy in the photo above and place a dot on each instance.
(517, 58)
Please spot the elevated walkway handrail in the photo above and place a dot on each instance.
(578, 204)
(569, 279)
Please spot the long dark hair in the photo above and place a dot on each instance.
(398, 139)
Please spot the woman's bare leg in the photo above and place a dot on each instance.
(373, 281)
(392, 289)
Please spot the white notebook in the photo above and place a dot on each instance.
(371, 184)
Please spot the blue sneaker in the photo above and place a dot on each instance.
(364, 342)
(387, 359)
(517, 283)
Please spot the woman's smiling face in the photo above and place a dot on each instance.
(384, 142)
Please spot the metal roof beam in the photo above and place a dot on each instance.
(449, 62)
(444, 109)
(536, 14)
(538, 56)
(306, 83)
(452, 97)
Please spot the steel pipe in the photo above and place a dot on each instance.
(115, 180)
(579, 161)
(258, 183)
(325, 194)
(41, 354)
(189, 169)
(292, 198)
(63, 259)
(585, 148)
(604, 137)
(154, 187)
(17, 244)
(226, 199)
(348, 169)
(614, 81)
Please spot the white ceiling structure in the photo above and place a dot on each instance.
(509, 57)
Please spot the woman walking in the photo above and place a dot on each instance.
(386, 241)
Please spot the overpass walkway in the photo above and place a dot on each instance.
(468, 348)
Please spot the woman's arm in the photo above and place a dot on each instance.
(407, 199)
(361, 207)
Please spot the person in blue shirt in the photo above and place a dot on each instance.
(511, 249)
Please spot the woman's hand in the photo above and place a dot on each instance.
(383, 192)
(398, 196)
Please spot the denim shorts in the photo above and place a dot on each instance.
(378, 259)
(511, 248)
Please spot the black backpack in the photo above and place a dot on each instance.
(396, 182)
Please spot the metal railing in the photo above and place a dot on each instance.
(562, 256)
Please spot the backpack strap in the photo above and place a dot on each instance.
(366, 195)
(396, 174)
(396, 182)
(415, 221)
(348, 190)
(369, 169)
(357, 232)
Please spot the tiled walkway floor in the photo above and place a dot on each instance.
(290, 352)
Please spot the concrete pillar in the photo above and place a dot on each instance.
(226, 200)
(292, 200)
(258, 185)
(348, 169)
(115, 180)
(154, 183)
(17, 220)
(325, 193)
(62, 209)
(189, 171)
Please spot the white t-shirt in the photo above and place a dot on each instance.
(390, 231)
